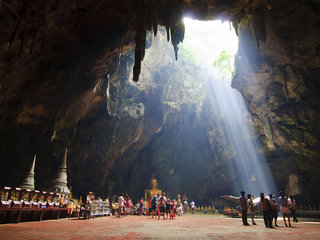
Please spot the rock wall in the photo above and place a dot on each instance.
(55, 61)
(279, 78)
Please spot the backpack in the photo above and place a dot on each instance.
(154, 200)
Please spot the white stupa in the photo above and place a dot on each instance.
(28, 182)
(59, 184)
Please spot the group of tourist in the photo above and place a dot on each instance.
(269, 207)
(156, 206)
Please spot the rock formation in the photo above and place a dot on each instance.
(63, 62)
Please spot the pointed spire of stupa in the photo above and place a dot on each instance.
(59, 184)
(28, 182)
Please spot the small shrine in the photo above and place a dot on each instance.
(153, 189)
(28, 182)
(59, 184)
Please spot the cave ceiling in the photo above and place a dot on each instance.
(64, 71)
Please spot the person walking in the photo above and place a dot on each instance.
(284, 202)
(265, 209)
(292, 207)
(251, 208)
(244, 208)
(272, 208)
(277, 210)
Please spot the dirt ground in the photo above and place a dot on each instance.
(199, 226)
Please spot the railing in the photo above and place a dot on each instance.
(99, 209)
(95, 209)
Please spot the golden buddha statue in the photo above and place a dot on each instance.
(153, 190)
(179, 202)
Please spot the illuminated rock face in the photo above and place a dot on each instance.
(280, 82)
(58, 57)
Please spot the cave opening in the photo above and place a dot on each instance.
(216, 44)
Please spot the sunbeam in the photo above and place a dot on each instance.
(248, 168)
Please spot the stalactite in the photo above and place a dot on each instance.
(149, 13)
(175, 23)
(236, 27)
(258, 25)
(155, 18)
(152, 16)
(155, 29)
(177, 36)
(168, 33)
(140, 39)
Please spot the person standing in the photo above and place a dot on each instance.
(140, 209)
(251, 208)
(273, 211)
(265, 209)
(185, 206)
(162, 206)
(284, 202)
(277, 210)
(173, 206)
(168, 207)
(121, 204)
(154, 202)
(192, 206)
(129, 204)
(293, 206)
(244, 208)
(150, 206)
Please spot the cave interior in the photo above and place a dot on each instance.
(75, 74)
